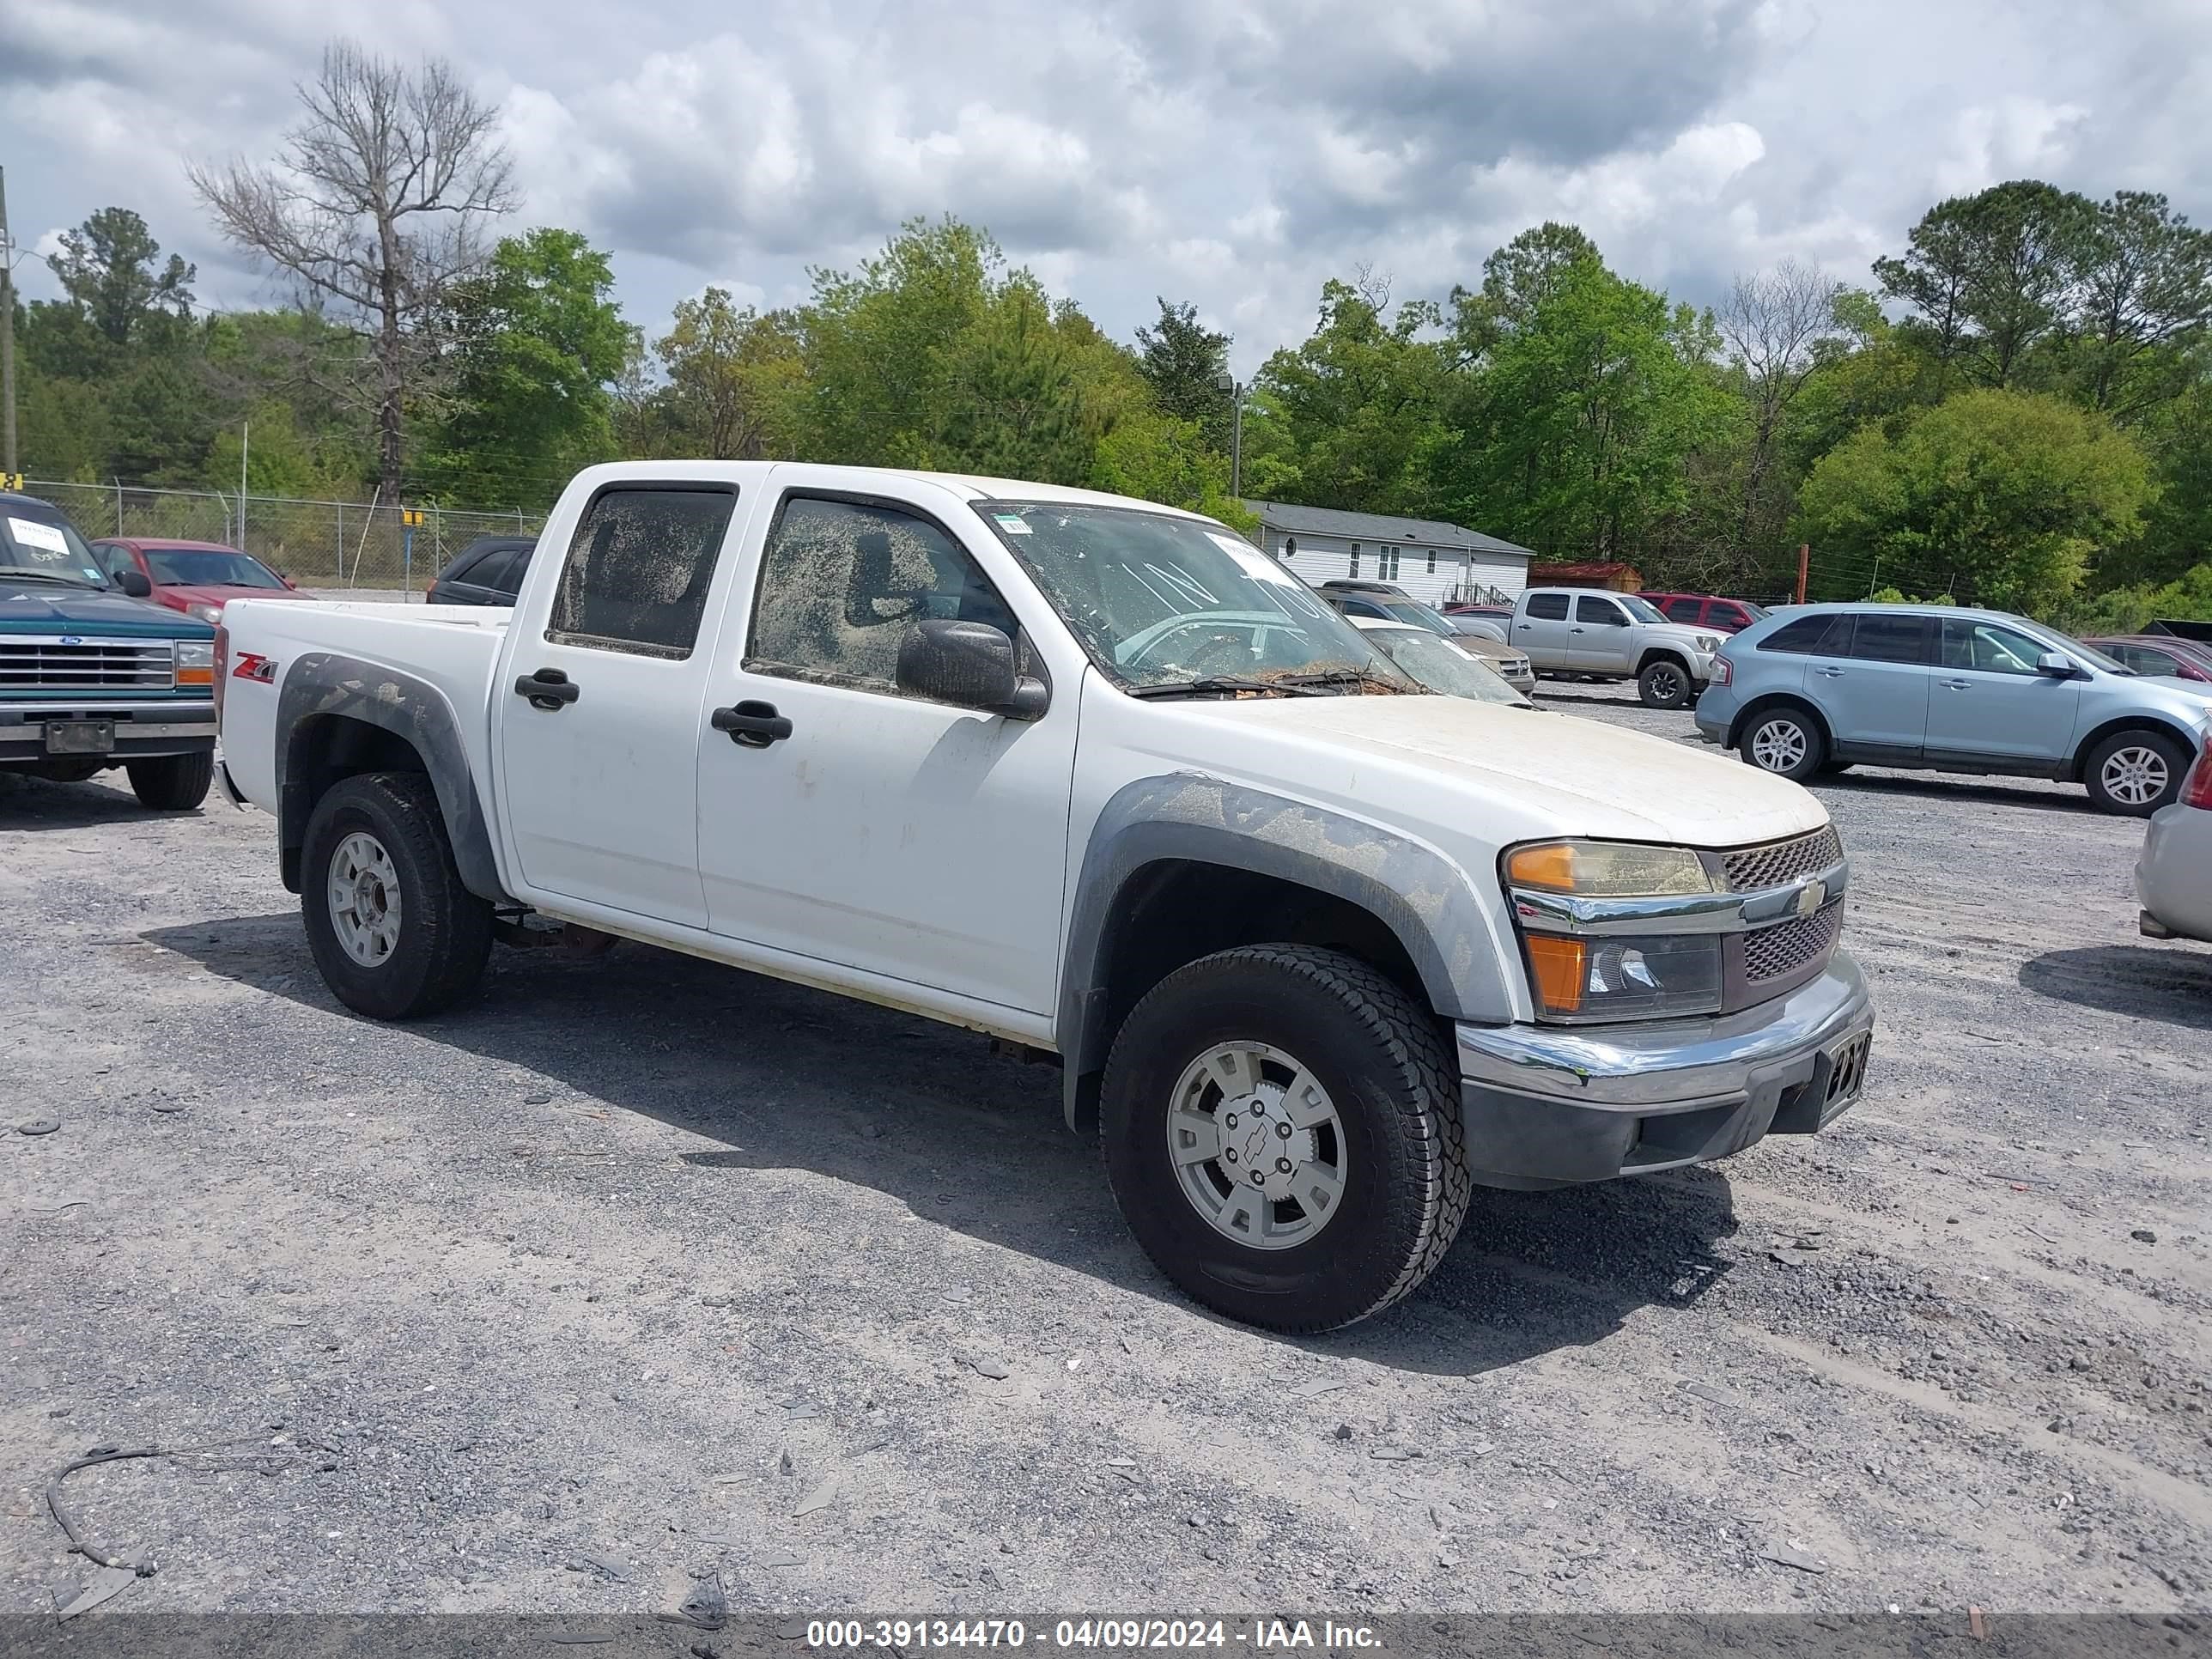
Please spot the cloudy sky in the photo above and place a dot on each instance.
(1232, 152)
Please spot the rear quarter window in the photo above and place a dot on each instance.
(1811, 636)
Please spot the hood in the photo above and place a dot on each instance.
(1516, 773)
(1686, 633)
(43, 608)
(219, 593)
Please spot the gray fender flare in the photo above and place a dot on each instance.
(1421, 895)
(325, 682)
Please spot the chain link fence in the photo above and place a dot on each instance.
(317, 543)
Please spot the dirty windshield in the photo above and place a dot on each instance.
(46, 547)
(1162, 603)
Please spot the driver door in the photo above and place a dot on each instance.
(884, 832)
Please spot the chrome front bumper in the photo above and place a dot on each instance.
(1550, 1106)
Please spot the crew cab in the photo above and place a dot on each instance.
(93, 677)
(1318, 952)
(1613, 637)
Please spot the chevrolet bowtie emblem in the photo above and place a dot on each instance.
(1811, 896)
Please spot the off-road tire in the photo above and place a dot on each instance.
(445, 930)
(2093, 765)
(171, 783)
(1812, 753)
(1383, 1060)
(1664, 683)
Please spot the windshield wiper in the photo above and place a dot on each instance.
(1224, 682)
(12, 572)
(1346, 676)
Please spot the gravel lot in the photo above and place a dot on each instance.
(641, 1269)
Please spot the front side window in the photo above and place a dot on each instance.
(1548, 607)
(1156, 599)
(113, 561)
(842, 581)
(1878, 637)
(1988, 647)
(638, 570)
(1604, 612)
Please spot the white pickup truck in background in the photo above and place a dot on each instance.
(1613, 637)
(1318, 953)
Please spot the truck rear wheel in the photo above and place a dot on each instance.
(173, 783)
(393, 929)
(1282, 1131)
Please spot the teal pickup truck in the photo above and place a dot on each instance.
(91, 676)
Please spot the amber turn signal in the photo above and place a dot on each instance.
(1558, 965)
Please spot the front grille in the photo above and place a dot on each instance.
(54, 665)
(1781, 862)
(1780, 951)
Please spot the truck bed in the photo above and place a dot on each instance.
(453, 647)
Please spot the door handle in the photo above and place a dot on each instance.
(1574, 631)
(548, 689)
(753, 724)
(1831, 673)
(1958, 685)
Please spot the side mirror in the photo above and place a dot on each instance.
(2057, 665)
(134, 583)
(969, 663)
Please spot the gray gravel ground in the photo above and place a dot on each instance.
(639, 1269)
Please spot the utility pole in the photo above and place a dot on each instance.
(1804, 564)
(7, 335)
(1226, 382)
(245, 437)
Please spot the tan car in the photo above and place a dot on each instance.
(1510, 662)
(1363, 606)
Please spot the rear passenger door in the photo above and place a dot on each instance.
(1539, 628)
(1876, 698)
(599, 705)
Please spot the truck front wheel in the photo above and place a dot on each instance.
(173, 783)
(393, 929)
(1282, 1131)
(1664, 683)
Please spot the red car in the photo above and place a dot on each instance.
(197, 578)
(1707, 611)
(2162, 654)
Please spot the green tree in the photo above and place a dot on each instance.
(1352, 414)
(540, 339)
(733, 375)
(2003, 498)
(111, 268)
(1184, 362)
(2145, 297)
(1574, 433)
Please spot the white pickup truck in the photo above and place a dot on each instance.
(1318, 953)
(1613, 637)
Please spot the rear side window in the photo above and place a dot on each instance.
(1892, 639)
(501, 570)
(841, 582)
(1811, 636)
(1362, 608)
(1682, 611)
(1548, 607)
(637, 571)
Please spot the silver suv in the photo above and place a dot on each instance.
(1818, 688)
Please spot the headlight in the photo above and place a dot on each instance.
(1616, 930)
(1708, 642)
(1608, 869)
(203, 612)
(195, 662)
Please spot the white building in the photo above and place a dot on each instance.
(1432, 560)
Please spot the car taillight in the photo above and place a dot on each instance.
(2197, 787)
(1724, 670)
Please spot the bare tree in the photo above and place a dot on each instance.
(377, 205)
(1771, 324)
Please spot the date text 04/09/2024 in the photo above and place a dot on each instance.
(1096, 1635)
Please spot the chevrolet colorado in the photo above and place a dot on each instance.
(1318, 953)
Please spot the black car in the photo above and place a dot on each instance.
(487, 572)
